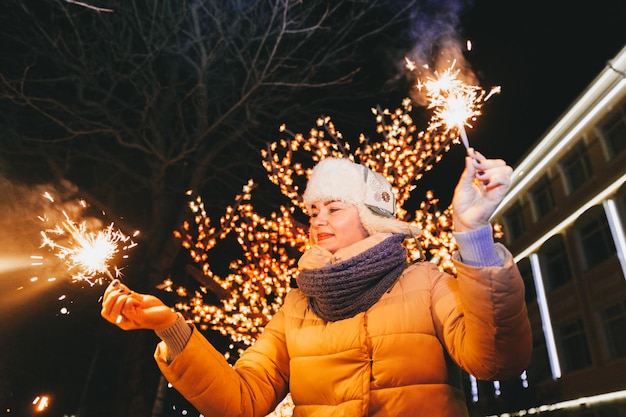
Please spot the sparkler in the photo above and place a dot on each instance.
(454, 102)
(88, 253)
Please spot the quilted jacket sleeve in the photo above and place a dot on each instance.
(252, 387)
(482, 318)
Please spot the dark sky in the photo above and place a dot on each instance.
(543, 54)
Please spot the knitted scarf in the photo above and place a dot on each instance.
(342, 290)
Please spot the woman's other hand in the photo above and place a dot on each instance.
(130, 310)
(480, 189)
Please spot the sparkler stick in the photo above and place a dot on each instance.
(464, 138)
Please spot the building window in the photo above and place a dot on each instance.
(613, 131)
(594, 238)
(539, 367)
(614, 322)
(514, 222)
(574, 349)
(576, 167)
(529, 283)
(541, 197)
(554, 263)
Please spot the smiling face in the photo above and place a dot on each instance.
(335, 225)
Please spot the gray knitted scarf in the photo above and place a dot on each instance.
(342, 290)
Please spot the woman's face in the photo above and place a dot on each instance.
(335, 225)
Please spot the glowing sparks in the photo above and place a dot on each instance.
(409, 64)
(37, 260)
(88, 253)
(41, 403)
(455, 103)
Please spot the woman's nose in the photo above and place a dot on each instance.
(319, 220)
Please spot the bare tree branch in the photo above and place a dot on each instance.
(89, 6)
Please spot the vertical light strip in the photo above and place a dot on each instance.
(496, 388)
(524, 378)
(617, 230)
(546, 322)
(474, 388)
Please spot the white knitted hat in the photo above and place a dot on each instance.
(343, 180)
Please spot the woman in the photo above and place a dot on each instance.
(365, 333)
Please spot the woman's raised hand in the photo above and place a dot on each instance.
(480, 189)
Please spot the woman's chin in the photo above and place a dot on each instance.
(328, 245)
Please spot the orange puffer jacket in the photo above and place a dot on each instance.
(399, 358)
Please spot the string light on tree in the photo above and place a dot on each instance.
(256, 287)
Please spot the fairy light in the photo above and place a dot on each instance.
(256, 288)
(403, 155)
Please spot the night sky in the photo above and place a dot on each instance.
(542, 53)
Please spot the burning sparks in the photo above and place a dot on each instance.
(454, 102)
(41, 403)
(88, 253)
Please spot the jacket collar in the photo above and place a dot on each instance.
(318, 257)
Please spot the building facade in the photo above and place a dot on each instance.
(564, 220)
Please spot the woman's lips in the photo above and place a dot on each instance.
(323, 236)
